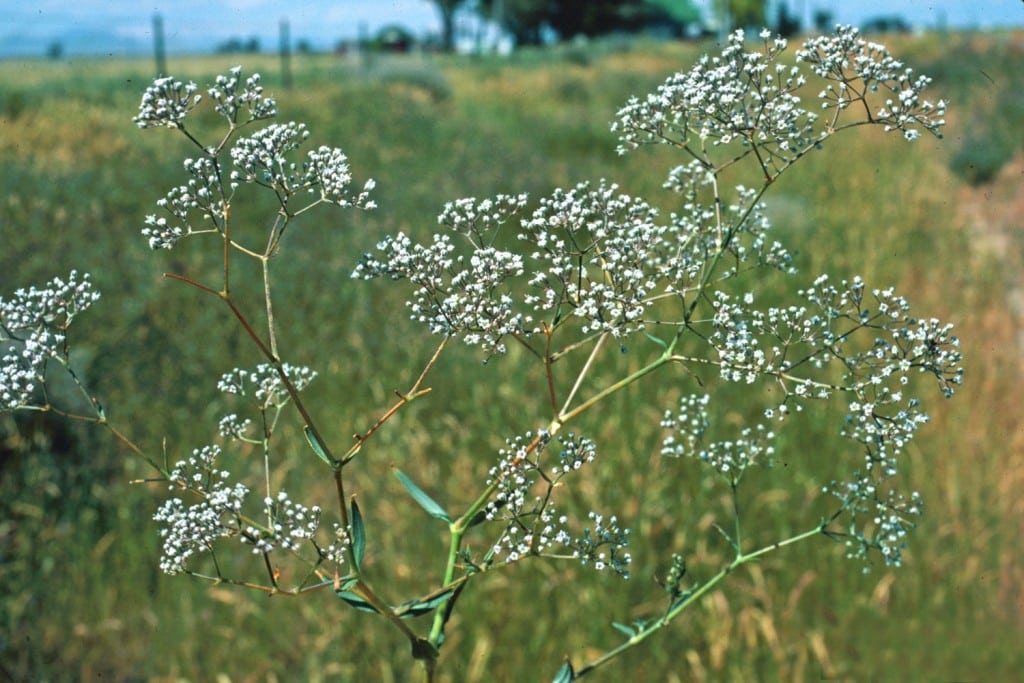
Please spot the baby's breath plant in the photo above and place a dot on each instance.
(574, 280)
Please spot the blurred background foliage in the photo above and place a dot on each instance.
(82, 595)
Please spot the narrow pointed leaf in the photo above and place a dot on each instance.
(358, 535)
(660, 342)
(566, 674)
(415, 608)
(449, 610)
(622, 628)
(421, 497)
(356, 601)
(318, 447)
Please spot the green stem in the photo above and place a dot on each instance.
(677, 608)
(457, 532)
(458, 528)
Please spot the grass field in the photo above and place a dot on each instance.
(83, 598)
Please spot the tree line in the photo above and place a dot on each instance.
(527, 20)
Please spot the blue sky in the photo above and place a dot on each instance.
(120, 26)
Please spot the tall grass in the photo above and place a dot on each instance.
(82, 596)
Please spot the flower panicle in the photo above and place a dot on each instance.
(263, 158)
(34, 325)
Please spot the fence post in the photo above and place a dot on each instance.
(286, 55)
(159, 48)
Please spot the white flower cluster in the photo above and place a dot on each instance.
(327, 168)
(33, 330)
(455, 294)
(592, 258)
(203, 193)
(739, 332)
(883, 427)
(192, 529)
(904, 344)
(881, 417)
(289, 523)
(159, 232)
(696, 236)
(595, 259)
(686, 426)
(605, 546)
(575, 454)
(189, 530)
(593, 251)
(858, 67)
(805, 348)
(480, 219)
(198, 473)
(260, 158)
(339, 545)
(889, 519)
(749, 97)
(166, 103)
(542, 534)
(516, 474)
(532, 524)
(233, 427)
(264, 383)
(747, 235)
(729, 458)
(780, 341)
(229, 100)
(737, 96)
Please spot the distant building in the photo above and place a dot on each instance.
(394, 38)
(888, 24)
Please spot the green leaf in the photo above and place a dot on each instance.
(449, 610)
(624, 629)
(415, 608)
(318, 447)
(660, 342)
(356, 601)
(421, 497)
(566, 674)
(358, 535)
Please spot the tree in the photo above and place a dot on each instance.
(589, 17)
(744, 13)
(823, 20)
(448, 8)
(525, 18)
(522, 18)
(786, 25)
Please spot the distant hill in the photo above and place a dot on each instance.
(75, 42)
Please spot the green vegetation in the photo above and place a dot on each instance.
(987, 74)
(83, 598)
